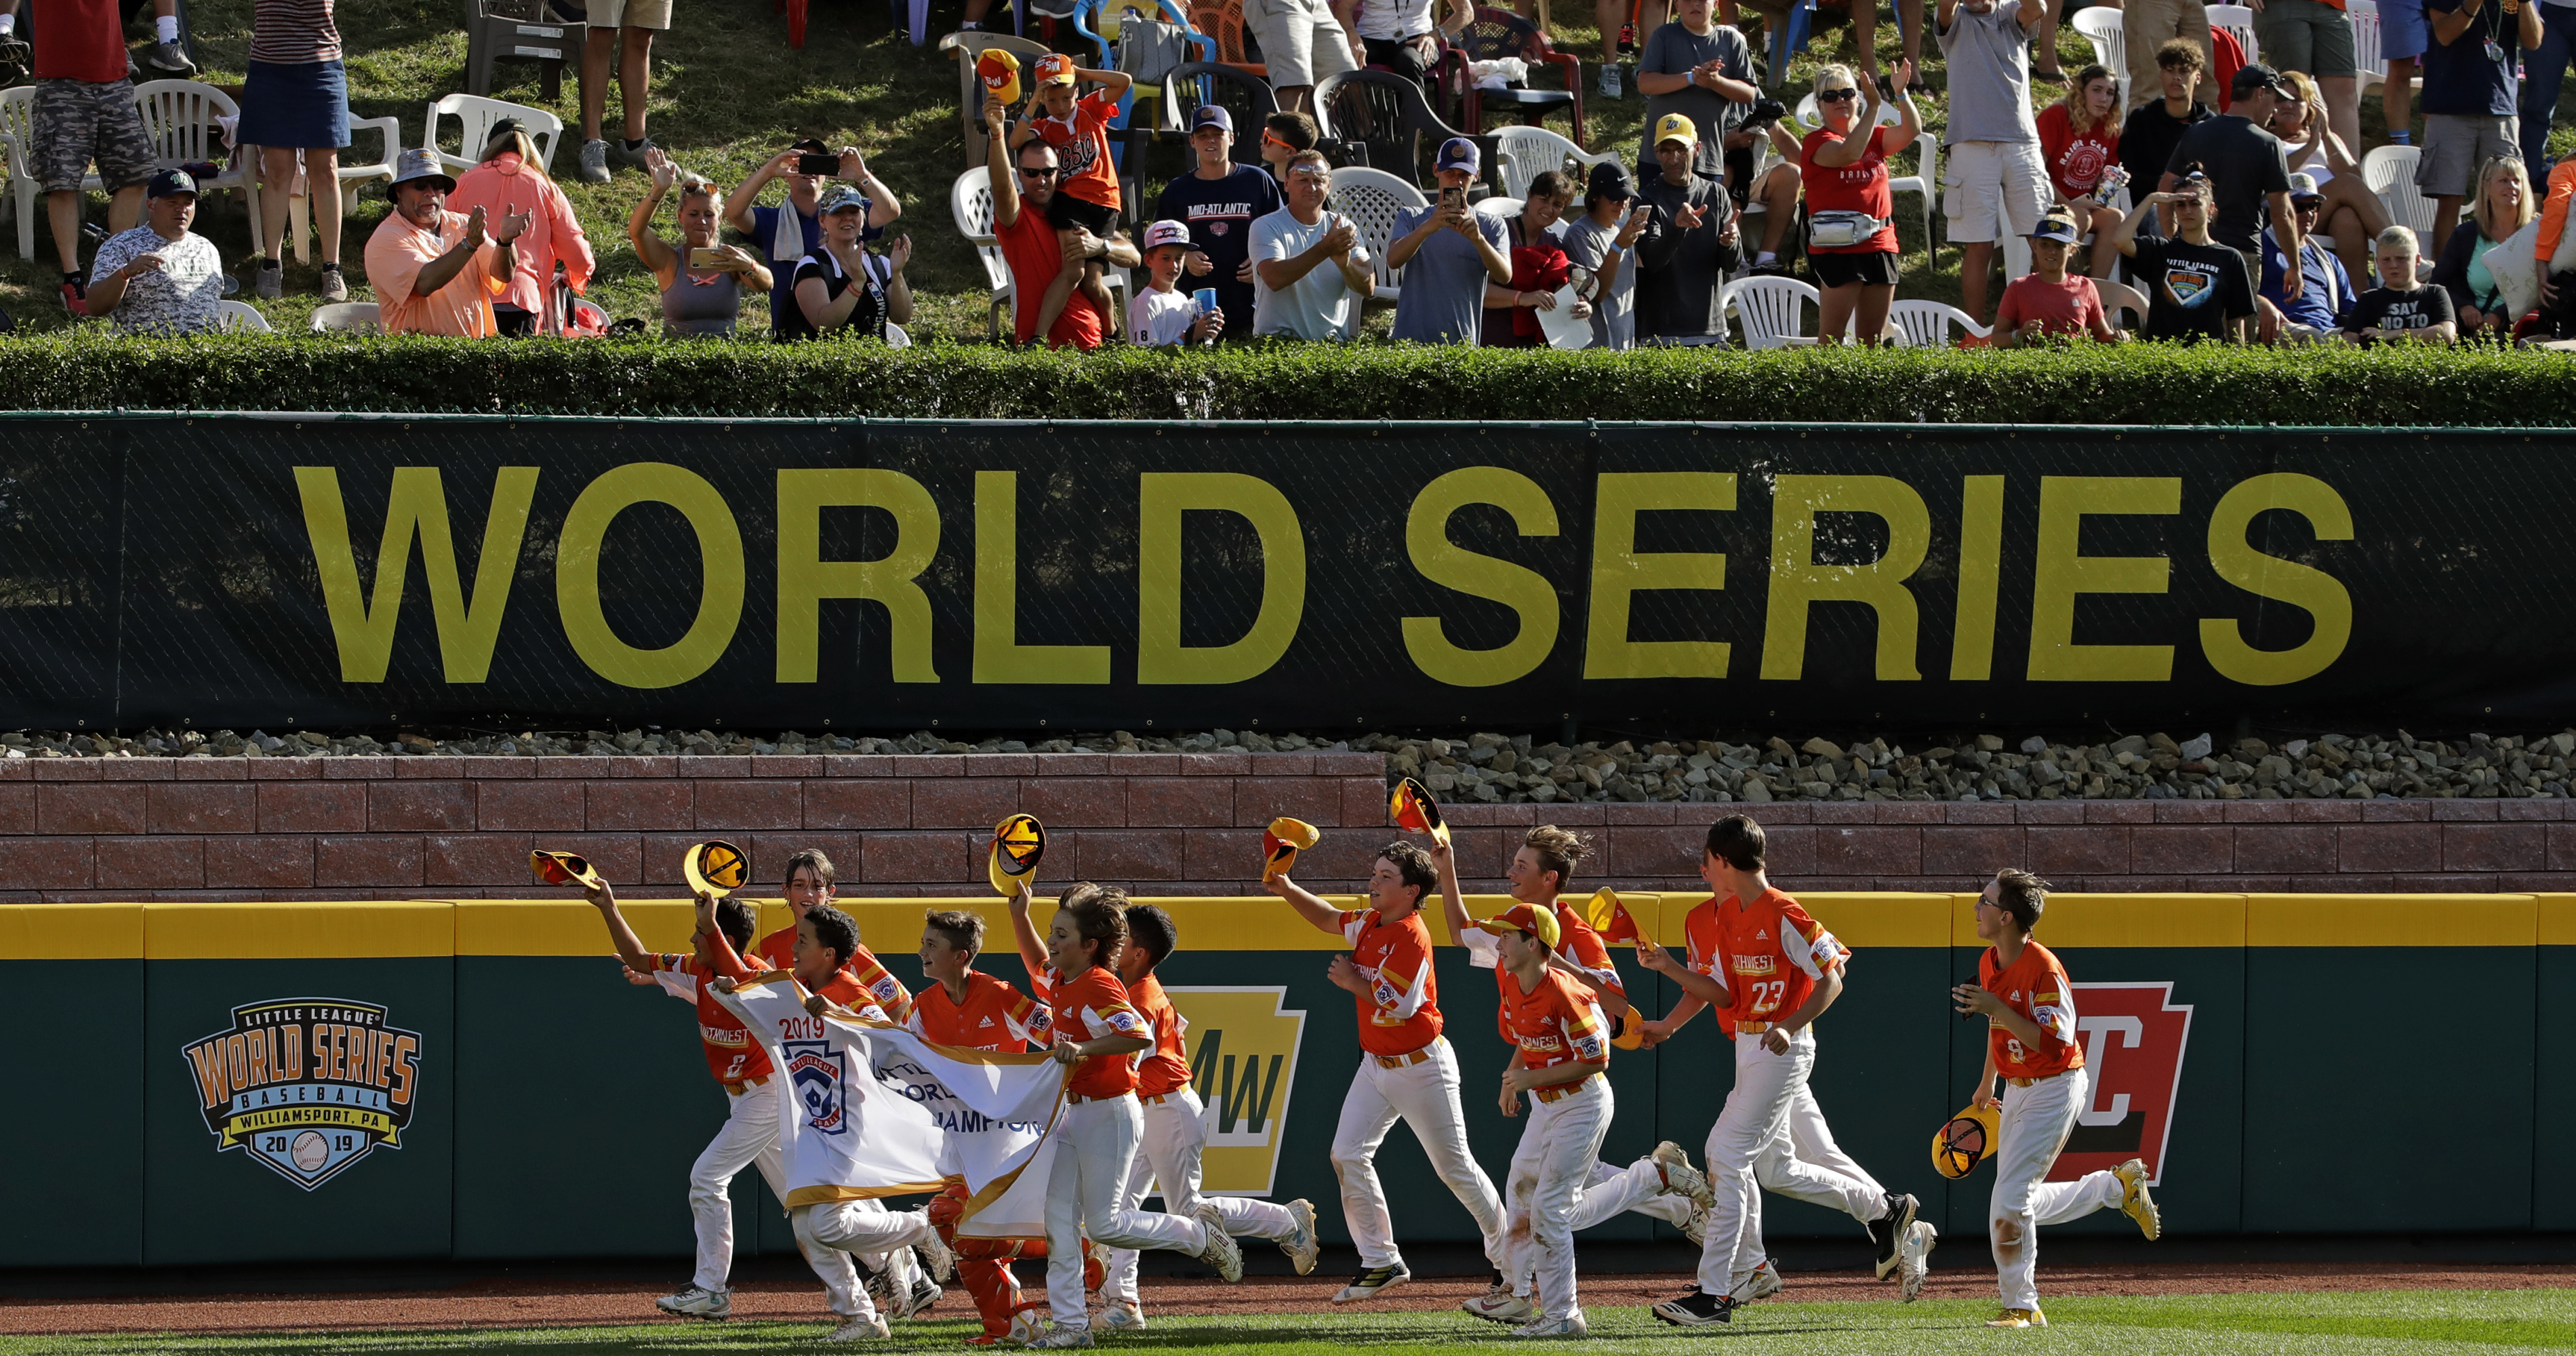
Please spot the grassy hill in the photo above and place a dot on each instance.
(728, 91)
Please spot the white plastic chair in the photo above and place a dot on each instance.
(1524, 153)
(18, 130)
(299, 207)
(1500, 209)
(1926, 324)
(1371, 198)
(348, 317)
(2390, 172)
(2364, 15)
(970, 205)
(1927, 161)
(179, 116)
(240, 317)
(476, 114)
(895, 337)
(1769, 309)
(2101, 26)
(2117, 297)
(2239, 20)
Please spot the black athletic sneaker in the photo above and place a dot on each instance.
(1887, 1232)
(1372, 1282)
(1697, 1309)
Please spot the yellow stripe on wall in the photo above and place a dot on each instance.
(550, 927)
(297, 931)
(71, 932)
(2392, 920)
(2132, 920)
(1883, 920)
(2557, 919)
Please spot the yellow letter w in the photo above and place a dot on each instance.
(467, 629)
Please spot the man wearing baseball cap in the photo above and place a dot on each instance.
(2246, 168)
(436, 271)
(1602, 246)
(1449, 256)
(1218, 200)
(160, 278)
(2325, 299)
(1689, 246)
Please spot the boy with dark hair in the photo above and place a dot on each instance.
(1283, 135)
(1407, 1069)
(2029, 1007)
(1087, 200)
(1771, 970)
(1174, 1135)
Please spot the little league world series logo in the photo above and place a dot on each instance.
(306, 1086)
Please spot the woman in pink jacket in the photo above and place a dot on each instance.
(509, 181)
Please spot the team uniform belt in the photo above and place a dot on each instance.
(1752, 1028)
(2026, 1082)
(739, 1086)
(1077, 1099)
(1421, 1056)
(1158, 1098)
(1564, 1090)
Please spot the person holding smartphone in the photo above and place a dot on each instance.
(1600, 245)
(841, 289)
(1449, 254)
(701, 281)
(787, 233)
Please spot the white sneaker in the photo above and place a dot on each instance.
(1914, 1259)
(697, 1301)
(922, 1297)
(1122, 1317)
(594, 162)
(1056, 1337)
(1222, 1251)
(1500, 1305)
(1762, 1284)
(872, 1327)
(1571, 1325)
(1373, 1282)
(1302, 1246)
(1610, 80)
(1695, 1228)
(1027, 1325)
(1680, 1177)
(937, 1258)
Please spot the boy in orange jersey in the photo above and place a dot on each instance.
(1174, 1135)
(1560, 1058)
(1663, 1184)
(1098, 1034)
(2029, 1009)
(1771, 971)
(1407, 1069)
(750, 1134)
(810, 882)
(1087, 202)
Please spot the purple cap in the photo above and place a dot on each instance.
(1458, 153)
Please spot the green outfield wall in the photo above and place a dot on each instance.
(258, 1083)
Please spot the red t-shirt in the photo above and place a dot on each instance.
(1538, 266)
(2070, 307)
(2075, 163)
(1860, 186)
(1081, 145)
(1166, 1067)
(1029, 247)
(81, 40)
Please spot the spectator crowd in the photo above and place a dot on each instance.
(2209, 195)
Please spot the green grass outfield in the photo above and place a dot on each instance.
(2355, 1322)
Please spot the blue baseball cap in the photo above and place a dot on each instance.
(1458, 153)
(1212, 115)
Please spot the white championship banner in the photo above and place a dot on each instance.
(874, 1111)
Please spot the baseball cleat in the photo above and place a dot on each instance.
(922, 1297)
(1888, 1231)
(1762, 1283)
(1371, 1283)
(1698, 1309)
(1680, 1177)
(2018, 1318)
(1123, 1316)
(1222, 1252)
(697, 1302)
(1302, 1246)
(1057, 1337)
(1028, 1323)
(1695, 1228)
(1500, 1305)
(866, 1328)
(1571, 1325)
(2134, 1200)
(938, 1260)
(1914, 1259)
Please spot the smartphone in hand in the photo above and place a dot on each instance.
(818, 162)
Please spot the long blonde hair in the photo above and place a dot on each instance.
(2312, 101)
(2524, 210)
(2079, 110)
(529, 161)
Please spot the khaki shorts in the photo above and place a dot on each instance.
(1301, 41)
(652, 14)
(1990, 188)
(2455, 144)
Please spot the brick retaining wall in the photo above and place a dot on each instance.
(1178, 824)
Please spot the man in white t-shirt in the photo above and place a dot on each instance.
(1310, 272)
(160, 278)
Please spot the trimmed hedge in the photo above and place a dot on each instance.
(2139, 384)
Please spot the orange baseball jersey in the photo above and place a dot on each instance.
(844, 988)
(1768, 953)
(779, 950)
(1576, 944)
(1081, 144)
(1088, 1007)
(2035, 986)
(996, 1017)
(732, 1053)
(1400, 1013)
(1555, 1023)
(1165, 1068)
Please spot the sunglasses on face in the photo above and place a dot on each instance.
(1274, 139)
(1312, 176)
(1837, 96)
(1046, 173)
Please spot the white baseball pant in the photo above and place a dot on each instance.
(1086, 1194)
(1170, 1143)
(1560, 1141)
(1757, 1143)
(749, 1138)
(1425, 1096)
(2036, 1121)
(1638, 1186)
(840, 1228)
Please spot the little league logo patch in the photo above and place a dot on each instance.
(306, 1086)
(2189, 287)
(2134, 1036)
(819, 1072)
